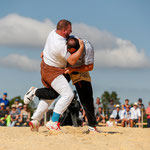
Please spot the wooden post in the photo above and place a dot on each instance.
(142, 118)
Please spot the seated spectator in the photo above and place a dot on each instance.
(135, 113)
(97, 105)
(148, 115)
(14, 115)
(8, 119)
(4, 100)
(24, 116)
(117, 113)
(20, 107)
(126, 104)
(111, 122)
(100, 117)
(110, 107)
(3, 115)
(126, 117)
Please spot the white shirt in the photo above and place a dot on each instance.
(126, 115)
(135, 113)
(114, 113)
(87, 56)
(111, 123)
(55, 50)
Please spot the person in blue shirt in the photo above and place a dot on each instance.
(4, 100)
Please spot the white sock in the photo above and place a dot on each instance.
(41, 109)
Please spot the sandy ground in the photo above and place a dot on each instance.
(116, 138)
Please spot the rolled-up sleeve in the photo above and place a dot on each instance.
(89, 56)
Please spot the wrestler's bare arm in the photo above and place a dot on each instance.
(42, 55)
(75, 56)
(83, 68)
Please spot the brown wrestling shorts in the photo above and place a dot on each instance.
(49, 73)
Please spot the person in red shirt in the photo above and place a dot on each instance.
(148, 115)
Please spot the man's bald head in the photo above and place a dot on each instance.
(72, 44)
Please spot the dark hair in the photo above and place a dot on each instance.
(140, 99)
(111, 100)
(63, 24)
(72, 42)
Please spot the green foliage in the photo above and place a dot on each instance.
(131, 104)
(106, 97)
(13, 100)
(32, 107)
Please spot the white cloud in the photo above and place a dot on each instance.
(110, 51)
(100, 39)
(20, 62)
(21, 31)
(125, 56)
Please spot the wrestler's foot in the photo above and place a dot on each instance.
(93, 129)
(30, 95)
(34, 125)
(53, 125)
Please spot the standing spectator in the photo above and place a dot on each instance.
(24, 116)
(135, 113)
(97, 104)
(81, 117)
(126, 104)
(140, 104)
(4, 100)
(16, 102)
(100, 117)
(142, 109)
(70, 116)
(126, 117)
(110, 107)
(3, 115)
(14, 115)
(148, 115)
(111, 122)
(117, 114)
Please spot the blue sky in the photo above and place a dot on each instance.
(119, 31)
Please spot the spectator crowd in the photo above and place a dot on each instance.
(15, 115)
(114, 114)
(125, 115)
